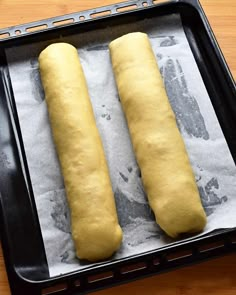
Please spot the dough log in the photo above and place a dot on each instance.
(167, 175)
(95, 229)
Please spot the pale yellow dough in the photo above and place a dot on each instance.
(95, 229)
(159, 148)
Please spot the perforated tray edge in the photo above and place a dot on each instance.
(77, 17)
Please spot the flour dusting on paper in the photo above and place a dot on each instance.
(209, 154)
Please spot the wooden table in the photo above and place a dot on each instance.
(213, 277)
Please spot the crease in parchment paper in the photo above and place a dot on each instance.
(209, 154)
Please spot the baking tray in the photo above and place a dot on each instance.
(19, 226)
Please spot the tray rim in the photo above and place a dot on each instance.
(83, 13)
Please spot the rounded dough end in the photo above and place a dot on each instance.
(54, 47)
(183, 222)
(97, 242)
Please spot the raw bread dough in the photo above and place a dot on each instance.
(95, 229)
(159, 148)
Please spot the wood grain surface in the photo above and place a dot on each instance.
(213, 277)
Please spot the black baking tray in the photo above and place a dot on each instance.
(19, 226)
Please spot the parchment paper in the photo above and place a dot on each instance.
(209, 154)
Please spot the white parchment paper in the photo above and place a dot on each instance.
(210, 157)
